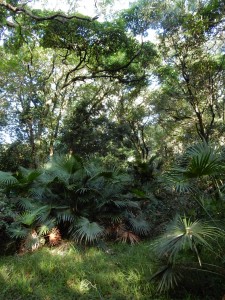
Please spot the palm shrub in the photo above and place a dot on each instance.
(97, 197)
(199, 176)
(84, 198)
(181, 248)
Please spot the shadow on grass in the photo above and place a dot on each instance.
(93, 274)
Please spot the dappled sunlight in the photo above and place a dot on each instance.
(77, 274)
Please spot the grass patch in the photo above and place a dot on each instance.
(73, 273)
(70, 272)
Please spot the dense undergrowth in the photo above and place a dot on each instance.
(90, 203)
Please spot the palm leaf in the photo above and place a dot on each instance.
(47, 226)
(168, 277)
(87, 231)
(43, 213)
(65, 215)
(177, 179)
(110, 217)
(38, 214)
(183, 233)
(27, 218)
(7, 179)
(18, 232)
(66, 164)
(28, 175)
(203, 160)
(27, 204)
(198, 161)
(36, 192)
(139, 225)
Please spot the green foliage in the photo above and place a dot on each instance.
(7, 179)
(183, 234)
(83, 197)
(173, 247)
(79, 85)
(191, 245)
(200, 162)
(134, 19)
(7, 216)
(14, 155)
(87, 231)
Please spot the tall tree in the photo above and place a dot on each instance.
(191, 75)
(48, 56)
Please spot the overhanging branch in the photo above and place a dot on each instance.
(22, 9)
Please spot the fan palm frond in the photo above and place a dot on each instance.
(38, 214)
(87, 231)
(177, 179)
(126, 203)
(43, 213)
(27, 204)
(65, 215)
(199, 160)
(7, 179)
(183, 233)
(18, 231)
(37, 192)
(168, 277)
(65, 163)
(139, 225)
(203, 160)
(27, 218)
(45, 227)
(112, 217)
(28, 175)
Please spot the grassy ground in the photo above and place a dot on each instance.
(69, 272)
(72, 273)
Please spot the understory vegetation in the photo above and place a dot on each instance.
(112, 155)
(82, 201)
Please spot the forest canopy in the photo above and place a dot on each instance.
(70, 79)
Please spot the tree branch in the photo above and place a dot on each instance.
(21, 9)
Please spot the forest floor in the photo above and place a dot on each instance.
(72, 272)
